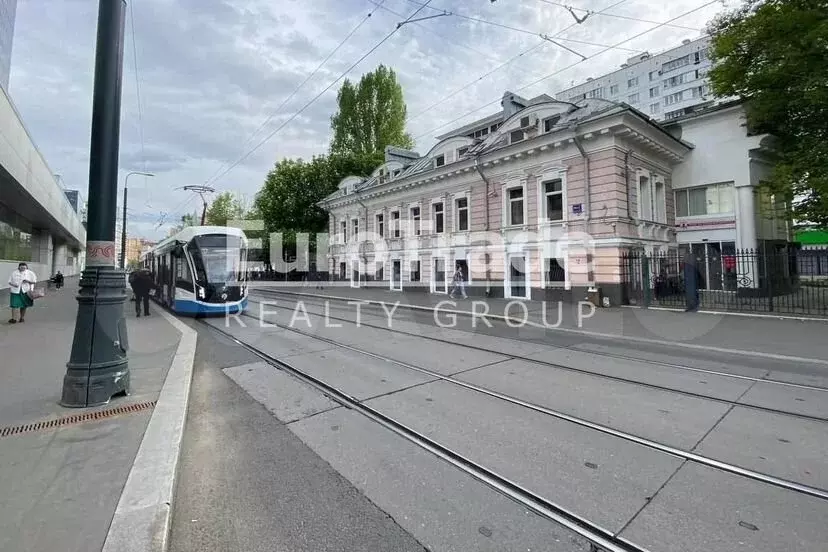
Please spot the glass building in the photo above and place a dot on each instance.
(8, 8)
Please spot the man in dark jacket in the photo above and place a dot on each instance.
(141, 284)
(691, 282)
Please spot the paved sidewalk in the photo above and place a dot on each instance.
(61, 486)
(784, 339)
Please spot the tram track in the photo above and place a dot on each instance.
(623, 435)
(610, 377)
(600, 538)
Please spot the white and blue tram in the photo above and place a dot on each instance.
(201, 270)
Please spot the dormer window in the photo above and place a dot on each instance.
(440, 160)
(550, 122)
(515, 136)
(462, 151)
(524, 122)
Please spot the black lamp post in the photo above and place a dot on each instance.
(98, 367)
(124, 222)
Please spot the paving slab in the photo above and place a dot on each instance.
(670, 418)
(788, 399)
(704, 509)
(719, 387)
(600, 477)
(443, 508)
(816, 380)
(356, 374)
(284, 396)
(775, 444)
(283, 341)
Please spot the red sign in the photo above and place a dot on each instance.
(729, 262)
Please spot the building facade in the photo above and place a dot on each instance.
(665, 86)
(8, 12)
(546, 199)
(539, 207)
(38, 223)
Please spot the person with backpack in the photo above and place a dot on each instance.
(458, 283)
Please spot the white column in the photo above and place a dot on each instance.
(746, 239)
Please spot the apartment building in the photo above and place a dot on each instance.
(536, 201)
(665, 86)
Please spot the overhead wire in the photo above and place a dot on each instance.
(512, 28)
(303, 83)
(561, 70)
(504, 64)
(614, 15)
(138, 99)
(319, 95)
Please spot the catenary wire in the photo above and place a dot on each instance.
(502, 65)
(299, 87)
(561, 70)
(615, 15)
(138, 99)
(319, 95)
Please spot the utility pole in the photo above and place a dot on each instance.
(98, 368)
(123, 222)
(201, 190)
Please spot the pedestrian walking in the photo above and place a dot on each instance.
(691, 283)
(458, 283)
(58, 279)
(141, 284)
(21, 284)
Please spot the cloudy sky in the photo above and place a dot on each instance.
(211, 72)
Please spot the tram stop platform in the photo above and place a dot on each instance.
(88, 479)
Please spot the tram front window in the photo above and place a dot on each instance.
(218, 260)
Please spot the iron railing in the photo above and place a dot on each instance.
(782, 280)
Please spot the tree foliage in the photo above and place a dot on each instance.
(774, 54)
(371, 115)
(224, 208)
(287, 201)
(189, 219)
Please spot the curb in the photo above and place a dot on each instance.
(509, 319)
(142, 519)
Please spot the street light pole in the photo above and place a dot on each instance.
(98, 368)
(123, 222)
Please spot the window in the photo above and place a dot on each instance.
(554, 272)
(414, 217)
(633, 98)
(15, 244)
(480, 133)
(675, 64)
(655, 108)
(515, 136)
(461, 216)
(674, 81)
(674, 98)
(660, 207)
(645, 199)
(550, 122)
(378, 275)
(354, 228)
(462, 151)
(653, 75)
(440, 160)
(716, 199)
(701, 73)
(674, 114)
(553, 200)
(699, 56)
(395, 223)
(515, 214)
(524, 122)
(699, 91)
(414, 273)
(613, 89)
(596, 93)
(437, 212)
(344, 226)
(654, 92)
(632, 82)
(380, 225)
(495, 126)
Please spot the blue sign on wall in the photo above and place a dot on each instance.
(577, 208)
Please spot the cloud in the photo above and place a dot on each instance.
(212, 71)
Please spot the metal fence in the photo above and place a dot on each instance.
(775, 279)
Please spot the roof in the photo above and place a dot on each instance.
(190, 232)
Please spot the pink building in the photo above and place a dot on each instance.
(540, 200)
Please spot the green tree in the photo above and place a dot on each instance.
(774, 54)
(224, 208)
(287, 201)
(371, 115)
(189, 219)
